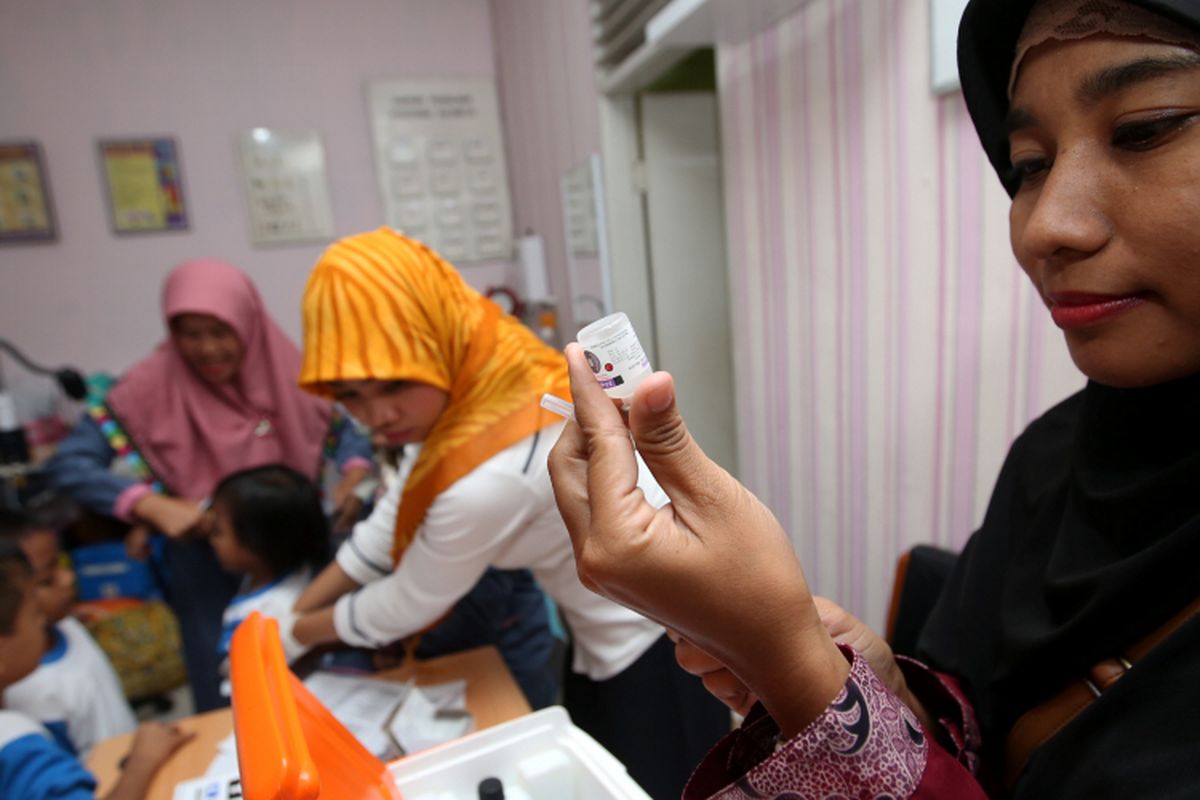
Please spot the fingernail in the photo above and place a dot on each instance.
(660, 399)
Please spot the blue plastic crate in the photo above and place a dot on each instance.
(104, 571)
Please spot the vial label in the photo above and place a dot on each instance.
(618, 361)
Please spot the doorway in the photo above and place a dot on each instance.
(669, 253)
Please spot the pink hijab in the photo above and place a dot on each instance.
(193, 433)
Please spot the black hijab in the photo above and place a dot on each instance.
(1091, 540)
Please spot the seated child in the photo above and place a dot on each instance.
(32, 765)
(74, 691)
(267, 525)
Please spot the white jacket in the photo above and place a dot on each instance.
(503, 515)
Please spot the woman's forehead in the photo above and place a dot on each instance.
(1072, 20)
(196, 320)
(1096, 68)
(358, 386)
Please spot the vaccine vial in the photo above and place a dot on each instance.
(615, 355)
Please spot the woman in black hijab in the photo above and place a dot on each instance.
(1089, 111)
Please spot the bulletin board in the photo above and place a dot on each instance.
(287, 186)
(588, 272)
(579, 210)
(143, 184)
(440, 163)
(26, 213)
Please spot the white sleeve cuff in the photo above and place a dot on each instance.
(347, 626)
(361, 568)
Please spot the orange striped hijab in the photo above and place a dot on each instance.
(382, 306)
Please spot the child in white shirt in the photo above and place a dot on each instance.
(267, 524)
(33, 766)
(74, 691)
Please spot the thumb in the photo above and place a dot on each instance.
(681, 468)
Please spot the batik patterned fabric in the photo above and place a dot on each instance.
(867, 743)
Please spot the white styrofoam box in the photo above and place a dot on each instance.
(541, 756)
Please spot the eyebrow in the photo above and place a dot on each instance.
(1109, 81)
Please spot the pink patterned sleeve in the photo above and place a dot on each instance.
(944, 699)
(867, 744)
(126, 500)
(354, 462)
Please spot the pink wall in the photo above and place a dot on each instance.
(75, 70)
(886, 344)
(551, 115)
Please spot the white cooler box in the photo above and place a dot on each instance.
(541, 756)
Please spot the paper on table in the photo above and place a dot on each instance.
(430, 715)
(363, 705)
(225, 787)
(225, 763)
(449, 696)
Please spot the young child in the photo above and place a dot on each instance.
(267, 525)
(32, 765)
(74, 691)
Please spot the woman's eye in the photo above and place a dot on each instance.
(1147, 134)
(1028, 169)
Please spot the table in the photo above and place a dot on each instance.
(492, 697)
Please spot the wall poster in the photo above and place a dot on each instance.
(143, 184)
(440, 163)
(26, 214)
(287, 186)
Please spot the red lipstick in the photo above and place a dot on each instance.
(398, 437)
(1071, 310)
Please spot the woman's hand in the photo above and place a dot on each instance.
(324, 590)
(716, 677)
(174, 516)
(714, 564)
(348, 506)
(137, 542)
(346, 513)
(847, 629)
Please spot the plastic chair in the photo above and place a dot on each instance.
(290, 747)
(921, 572)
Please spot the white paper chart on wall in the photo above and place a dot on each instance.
(287, 187)
(439, 159)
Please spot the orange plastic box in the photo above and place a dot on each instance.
(290, 747)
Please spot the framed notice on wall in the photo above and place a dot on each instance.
(143, 184)
(26, 214)
(287, 188)
(439, 159)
